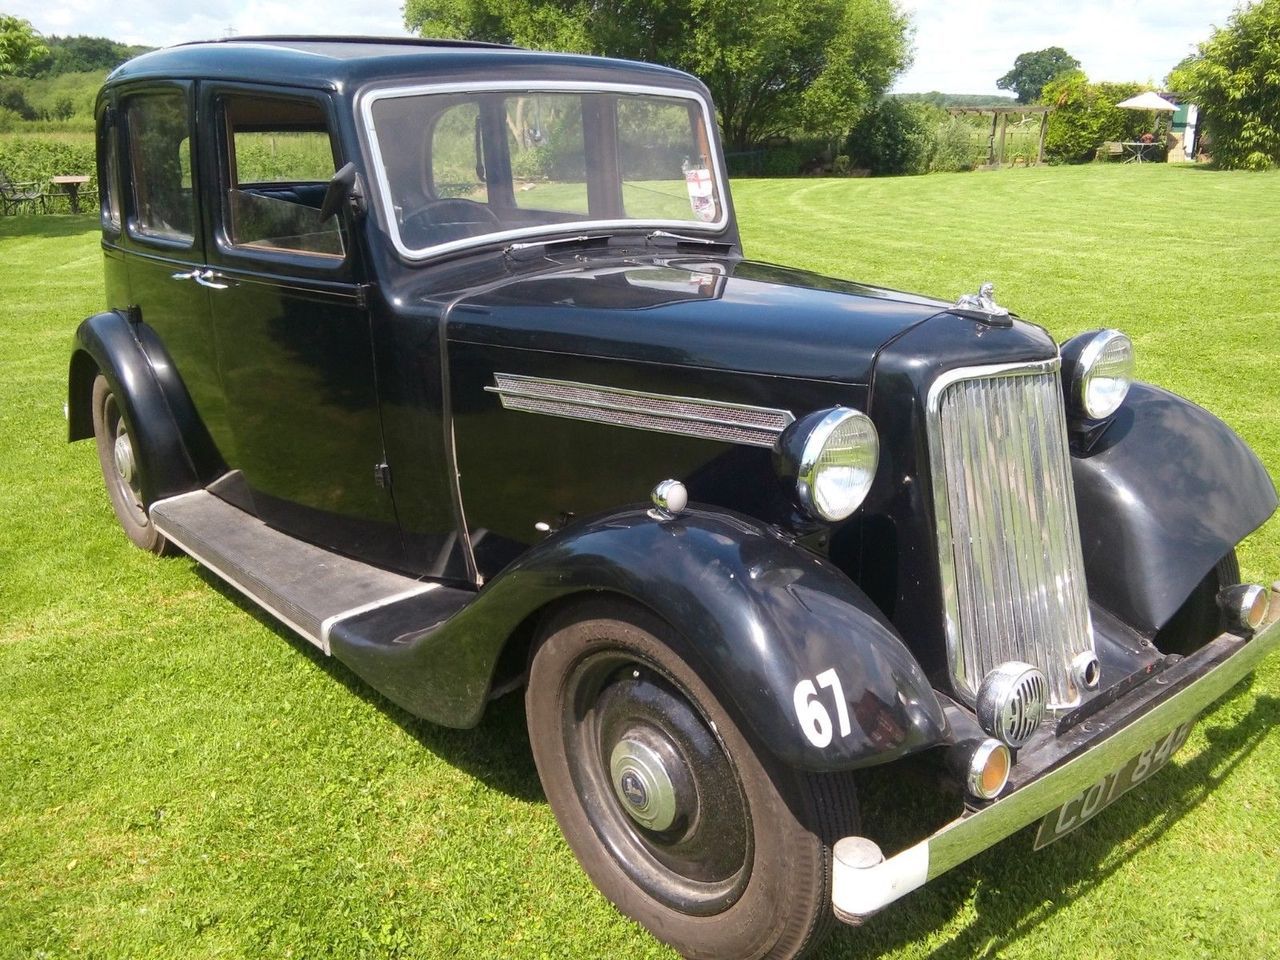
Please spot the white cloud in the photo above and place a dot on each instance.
(966, 47)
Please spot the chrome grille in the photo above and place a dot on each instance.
(1009, 541)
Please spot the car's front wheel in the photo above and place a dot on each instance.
(681, 823)
(122, 468)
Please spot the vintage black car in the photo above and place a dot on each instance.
(447, 355)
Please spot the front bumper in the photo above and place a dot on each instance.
(1043, 781)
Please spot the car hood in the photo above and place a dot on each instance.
(710, 313)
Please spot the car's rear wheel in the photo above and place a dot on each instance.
(122, 466)
(682, 824)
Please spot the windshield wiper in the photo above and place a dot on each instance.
(682, 238)
(516, 249)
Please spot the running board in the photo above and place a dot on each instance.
(306, 587)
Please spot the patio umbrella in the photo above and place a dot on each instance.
(1150, 100)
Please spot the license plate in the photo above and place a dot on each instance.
(1091, 801)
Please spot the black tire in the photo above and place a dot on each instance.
(743, 870)
(122, 466)
(1200, 618)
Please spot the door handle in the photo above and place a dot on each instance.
(205, 279)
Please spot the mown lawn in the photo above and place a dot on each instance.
(179, 777)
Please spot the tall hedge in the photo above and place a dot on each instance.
(1086, 116)
(37, 159)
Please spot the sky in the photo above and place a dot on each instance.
(961, 46)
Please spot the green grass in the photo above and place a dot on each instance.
(181, 778)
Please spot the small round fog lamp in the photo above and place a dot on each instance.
(989, 767)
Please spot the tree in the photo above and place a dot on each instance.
(1031, 71)
(19, 44)
(79, 55)
(1235, 80)
(774, 66)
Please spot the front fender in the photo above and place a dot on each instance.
(1163, 495)
(755, 614)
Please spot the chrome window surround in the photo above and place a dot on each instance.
(382, 187)
(662, 413)
(965, 684)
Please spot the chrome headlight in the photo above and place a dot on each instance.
(835, 456)
(1097, 371)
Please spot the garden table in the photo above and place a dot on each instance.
(72, 184)
(1137, 150)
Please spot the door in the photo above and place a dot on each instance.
(294, 351)
(164, 242)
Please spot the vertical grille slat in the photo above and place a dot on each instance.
(1009, 539)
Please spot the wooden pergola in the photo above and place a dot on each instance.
(999, 123)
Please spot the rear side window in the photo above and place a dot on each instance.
(108, 172)
(160, 166)
(280, 158)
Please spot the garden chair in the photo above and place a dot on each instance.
(14, 196)
(1113, 150)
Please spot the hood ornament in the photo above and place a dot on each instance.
(982, 306)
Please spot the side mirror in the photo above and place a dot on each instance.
(344, 187)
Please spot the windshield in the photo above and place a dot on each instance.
(461, 167)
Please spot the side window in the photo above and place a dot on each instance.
(109, 171)
(160, 166)
(548, 152)
(457, 157)
(279, 160)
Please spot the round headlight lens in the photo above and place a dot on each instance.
(1106, 373)
(838, 463)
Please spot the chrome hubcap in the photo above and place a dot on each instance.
(643, 785)
(124, 458)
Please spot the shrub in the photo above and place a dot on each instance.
(1085, 116)
(953, 147)
(1235, 79)
(785, 161)
(895, 137)
(14, 100)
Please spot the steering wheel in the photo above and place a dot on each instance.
(448, 219)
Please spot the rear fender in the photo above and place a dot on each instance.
(766, 624)
(1163, 495)
(168, 436)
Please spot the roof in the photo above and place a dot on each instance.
(339, 62)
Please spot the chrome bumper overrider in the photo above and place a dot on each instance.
(1081, 757)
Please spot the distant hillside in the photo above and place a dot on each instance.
(57, 92)
(80, 55)
(944, 100)
(66, 98)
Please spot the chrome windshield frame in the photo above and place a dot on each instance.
(382, 185)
